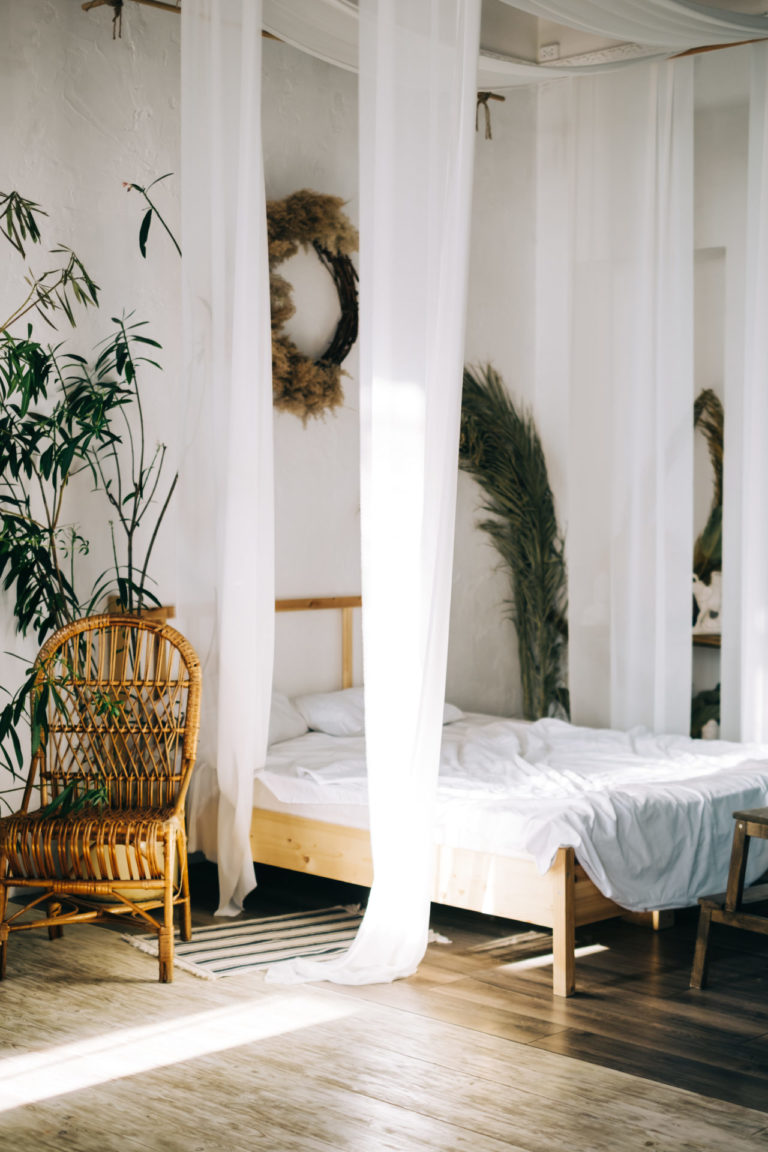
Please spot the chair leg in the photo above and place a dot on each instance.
(165, 935)
(186, 910)
(55, 931)
(738, 867)
(700, 964)
(165, 955)
(4, 930)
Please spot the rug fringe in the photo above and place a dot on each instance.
(150, 948)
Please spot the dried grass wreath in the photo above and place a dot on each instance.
(301, 385)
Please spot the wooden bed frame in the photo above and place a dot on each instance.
(562, 899)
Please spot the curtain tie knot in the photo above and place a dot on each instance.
(482, 99)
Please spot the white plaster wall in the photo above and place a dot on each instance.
(88, 113)
(721, 130)
(483, 669)
(310, 141)
(720, 210)
(82, 113)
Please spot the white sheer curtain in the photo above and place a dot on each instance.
(673, 24)
(226, 580)
(626, 393)
(745, 482)
(418, 65)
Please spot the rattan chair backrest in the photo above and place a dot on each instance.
(121, 696)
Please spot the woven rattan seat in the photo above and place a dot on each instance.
(123, 703)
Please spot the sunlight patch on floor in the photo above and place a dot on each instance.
(114, 1055)
(546, 960)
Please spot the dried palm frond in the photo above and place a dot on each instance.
(501, 449)
(708, 415)
(705, 706)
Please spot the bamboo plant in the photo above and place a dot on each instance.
(60, 418)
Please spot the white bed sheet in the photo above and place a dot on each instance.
(650, 817)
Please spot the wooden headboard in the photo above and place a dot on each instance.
(344, 604)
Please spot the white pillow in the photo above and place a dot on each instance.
(285, 721)
(335, 713)
(342, 713)
(451, 713)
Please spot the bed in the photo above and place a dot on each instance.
(543, 823)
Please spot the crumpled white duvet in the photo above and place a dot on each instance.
(650, 817)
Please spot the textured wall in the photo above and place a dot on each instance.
(83, 113)
(310, 141)
(483, 667)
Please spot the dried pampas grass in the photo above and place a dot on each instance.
(301, 385)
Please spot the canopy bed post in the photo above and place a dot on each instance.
(564, 923)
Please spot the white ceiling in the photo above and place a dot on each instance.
(510, 41)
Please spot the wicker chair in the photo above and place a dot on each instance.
(122, 700)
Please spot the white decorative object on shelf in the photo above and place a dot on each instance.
(708, 597)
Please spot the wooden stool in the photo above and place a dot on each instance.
(727, 907)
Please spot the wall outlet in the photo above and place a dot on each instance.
(549, 52)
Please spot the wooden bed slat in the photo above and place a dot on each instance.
(313, 603)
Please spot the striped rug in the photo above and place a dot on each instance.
(244, 945)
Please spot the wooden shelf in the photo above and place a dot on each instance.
(706, 639)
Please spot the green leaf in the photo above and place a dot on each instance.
(16, 747)
(144, 232)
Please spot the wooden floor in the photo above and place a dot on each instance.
(471, 1053)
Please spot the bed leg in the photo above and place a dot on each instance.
(657, 920)
(564, 926)
(699, 970)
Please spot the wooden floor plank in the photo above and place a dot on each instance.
(470, 1054)
(539, 1074)
(737, 1086)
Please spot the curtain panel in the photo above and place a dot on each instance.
(418, 64)
(744, 712)
(226, 578)
(614, 224)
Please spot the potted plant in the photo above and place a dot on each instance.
(59, 417)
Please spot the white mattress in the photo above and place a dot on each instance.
(650, 816)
